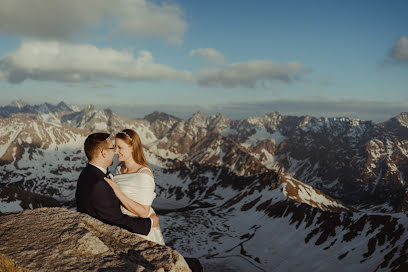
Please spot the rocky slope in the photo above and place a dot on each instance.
(57, 239)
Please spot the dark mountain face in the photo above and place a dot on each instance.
(160, 116)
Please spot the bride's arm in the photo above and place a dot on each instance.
(134, 207)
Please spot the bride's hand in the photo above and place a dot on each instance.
(155, 220)
(112, 184)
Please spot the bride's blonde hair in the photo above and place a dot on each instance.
(132, 138)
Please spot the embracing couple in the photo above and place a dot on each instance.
(125, 199)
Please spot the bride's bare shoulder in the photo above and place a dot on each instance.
(147, 171)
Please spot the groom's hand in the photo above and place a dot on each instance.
(155, 220)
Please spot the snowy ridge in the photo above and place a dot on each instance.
(317, 151)
(46, 112)
(56, 151)
(261, 227)
(330, 154)
(269, 193)
(303, 193)
(8, 136)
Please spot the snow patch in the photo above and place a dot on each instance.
(4, 147)
(7, 207)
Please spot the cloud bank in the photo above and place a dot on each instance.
(66, 62)
(251, 74)
(209, 55)
(377, 111)
(60, 20)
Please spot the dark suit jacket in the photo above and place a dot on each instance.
(95, 197)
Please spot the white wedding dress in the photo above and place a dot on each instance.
(140, 188)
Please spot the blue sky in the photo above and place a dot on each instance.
(332, 58)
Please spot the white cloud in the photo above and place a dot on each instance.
(59, 61)
(60, 19)
(250, 74)
(400, 50)
(140, 17)
(210, 55)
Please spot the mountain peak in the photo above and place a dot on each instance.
(90, 107)
(218, 116)
(19, 103)
(75, 108)
(199, 118)
(402, 117)
(303, 193)
(159, 116)
(199, 115)
(401, 120)
(63, 106)
(273, 114)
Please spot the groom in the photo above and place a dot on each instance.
(95, 197)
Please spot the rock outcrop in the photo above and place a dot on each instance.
(58, 239)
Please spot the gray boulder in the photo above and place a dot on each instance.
(58, 239)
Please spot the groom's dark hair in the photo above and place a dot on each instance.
(94, 143)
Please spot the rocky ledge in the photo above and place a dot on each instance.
(58, 239)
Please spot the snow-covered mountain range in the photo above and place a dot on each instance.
(275, 192)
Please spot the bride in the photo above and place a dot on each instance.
(134, 183)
